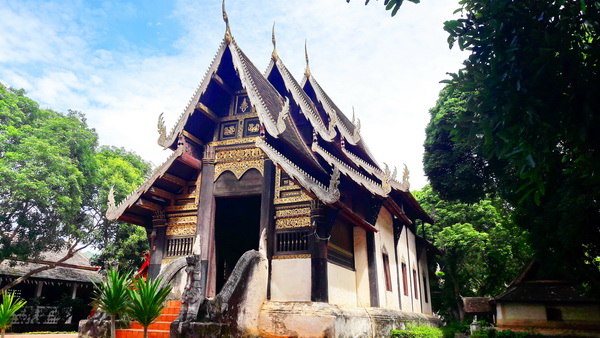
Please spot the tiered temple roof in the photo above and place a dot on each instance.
(302, 130)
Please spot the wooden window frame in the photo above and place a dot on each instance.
(386, 272)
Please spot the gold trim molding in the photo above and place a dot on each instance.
(295, 222)
(291, 256)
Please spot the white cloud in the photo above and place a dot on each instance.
(387, 68)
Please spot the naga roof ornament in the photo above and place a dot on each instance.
(162, 130)
(228, 36)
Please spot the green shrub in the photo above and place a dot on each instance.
(417, 331)
(491, 333)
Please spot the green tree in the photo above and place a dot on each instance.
(54, 182)
(478, 241)
(147, 301)
(124, 171)
(8, 308)
(112, 296)
(532, 82)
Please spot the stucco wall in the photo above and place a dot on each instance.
(423, 271)
(535, 314)
(407, 254)
(361, 264)
(290, 279)
(342, 285)
(385, 239)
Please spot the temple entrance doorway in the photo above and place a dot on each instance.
(237, 227)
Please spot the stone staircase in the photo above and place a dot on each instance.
(159, 329)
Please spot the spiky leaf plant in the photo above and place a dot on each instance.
(112, 296)
(8, 308)
(147, 301)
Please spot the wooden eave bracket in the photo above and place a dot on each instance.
(396, 210)
(353, 217)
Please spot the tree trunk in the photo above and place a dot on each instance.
(145, 332)
(3, 330)
(113, 329)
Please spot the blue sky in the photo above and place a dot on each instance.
(122, 63)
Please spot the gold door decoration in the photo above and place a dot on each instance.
(238, 161)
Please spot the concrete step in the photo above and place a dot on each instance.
(154, 326)
(139, 333)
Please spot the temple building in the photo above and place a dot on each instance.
(265, 162)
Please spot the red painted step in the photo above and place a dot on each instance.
(159, 329)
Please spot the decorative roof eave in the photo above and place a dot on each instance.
(115, 211)
(381, 174)
(167, 141)
(352, 137)
(274, 128)
(378, 189)
(302, 100)
(328, 195)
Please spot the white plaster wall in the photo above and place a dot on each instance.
(290, 279)
(385, 238)
(423, 271)
(407, 252)
(342, 285)
(361, 264)
(412, 249)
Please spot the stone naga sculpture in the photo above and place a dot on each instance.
(191, 297)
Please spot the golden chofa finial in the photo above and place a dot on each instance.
(274, 54)
(307, 71)
(228, 36)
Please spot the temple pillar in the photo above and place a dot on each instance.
(372, 263)
(204, 243)
(322, 219)
(157, 243)
(267, 214)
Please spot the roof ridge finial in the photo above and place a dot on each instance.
(307, 71)
(274, 54)
(228, 36)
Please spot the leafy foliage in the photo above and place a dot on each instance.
(147, 301)
(54, 182)
(532, 110)
(478, 241)
(392, 5)
(8, 308)
(46, 165)
(417, 331)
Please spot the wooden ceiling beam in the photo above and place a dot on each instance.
(129, 218)
(161, 193)
(218, 80)
(201, 107)
(174, 179)
(145, 204)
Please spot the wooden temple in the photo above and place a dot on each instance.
(258, 153)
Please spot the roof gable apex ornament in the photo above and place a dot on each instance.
(356, 132)
(285, 112)
(405, 176)
(274, 55)
(307, 70)
(228, 37)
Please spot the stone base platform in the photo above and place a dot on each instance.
(312, 319)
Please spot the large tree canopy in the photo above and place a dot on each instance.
(532, 111)
(54, 181)
(478, 241)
